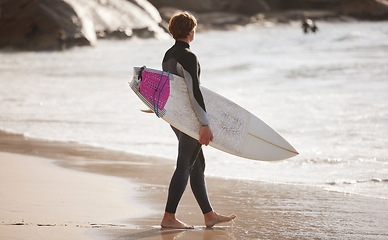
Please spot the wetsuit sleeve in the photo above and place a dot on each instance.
(189, 67)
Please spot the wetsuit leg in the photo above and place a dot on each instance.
(198, 185)
(189, 152)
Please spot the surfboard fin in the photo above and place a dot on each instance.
(146, 110)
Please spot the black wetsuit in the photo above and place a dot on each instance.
(180, 61)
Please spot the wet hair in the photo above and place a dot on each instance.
(181, 25)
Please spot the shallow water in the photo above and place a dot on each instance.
(327, 94)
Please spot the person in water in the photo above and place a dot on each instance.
(309, 25)
(305, 24)
(181, 61)
(313, 26)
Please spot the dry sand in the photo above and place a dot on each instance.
(80, 205)
(40, 200)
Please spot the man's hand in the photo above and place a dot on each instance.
(205, 135)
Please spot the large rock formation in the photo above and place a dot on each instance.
(120, 17)
(55, 24)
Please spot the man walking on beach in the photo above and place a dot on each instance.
(180, 60)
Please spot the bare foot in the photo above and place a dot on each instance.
(169, 221)
(212, 218)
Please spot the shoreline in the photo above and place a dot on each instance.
(264, 210)
(211, 22)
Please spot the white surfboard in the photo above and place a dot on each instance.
(235, 130)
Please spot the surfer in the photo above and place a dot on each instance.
(313, 27)
(305, 24)
(309, 25)
(180, 60)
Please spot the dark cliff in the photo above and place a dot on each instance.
(56, 24)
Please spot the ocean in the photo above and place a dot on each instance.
(326, 93)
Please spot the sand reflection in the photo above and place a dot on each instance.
(197, 233)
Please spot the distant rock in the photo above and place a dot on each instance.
(221, 20)
(206, 6)
(365, 9)
(209, 20)
(33, 24)
(120, 18)
(58, 24)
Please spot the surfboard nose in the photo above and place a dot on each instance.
(293, 150)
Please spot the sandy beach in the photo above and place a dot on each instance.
(42, 201)
(326, 93)
(53, 190)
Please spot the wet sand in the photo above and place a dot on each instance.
(40, 200)
(264, 210)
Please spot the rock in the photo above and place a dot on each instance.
(118, 18)
(40, 25)
(208, 20)
(365, 9)
(203, 6)
(307, 4)
(221, 20)
(58, 24)
(167, 12)
(287, 16)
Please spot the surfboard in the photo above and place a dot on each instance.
(235, 130)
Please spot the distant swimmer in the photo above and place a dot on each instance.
(305, 24)
(309, 25)
(313, 26)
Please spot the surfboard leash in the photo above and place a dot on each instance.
(156, 110)
(160, 92)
